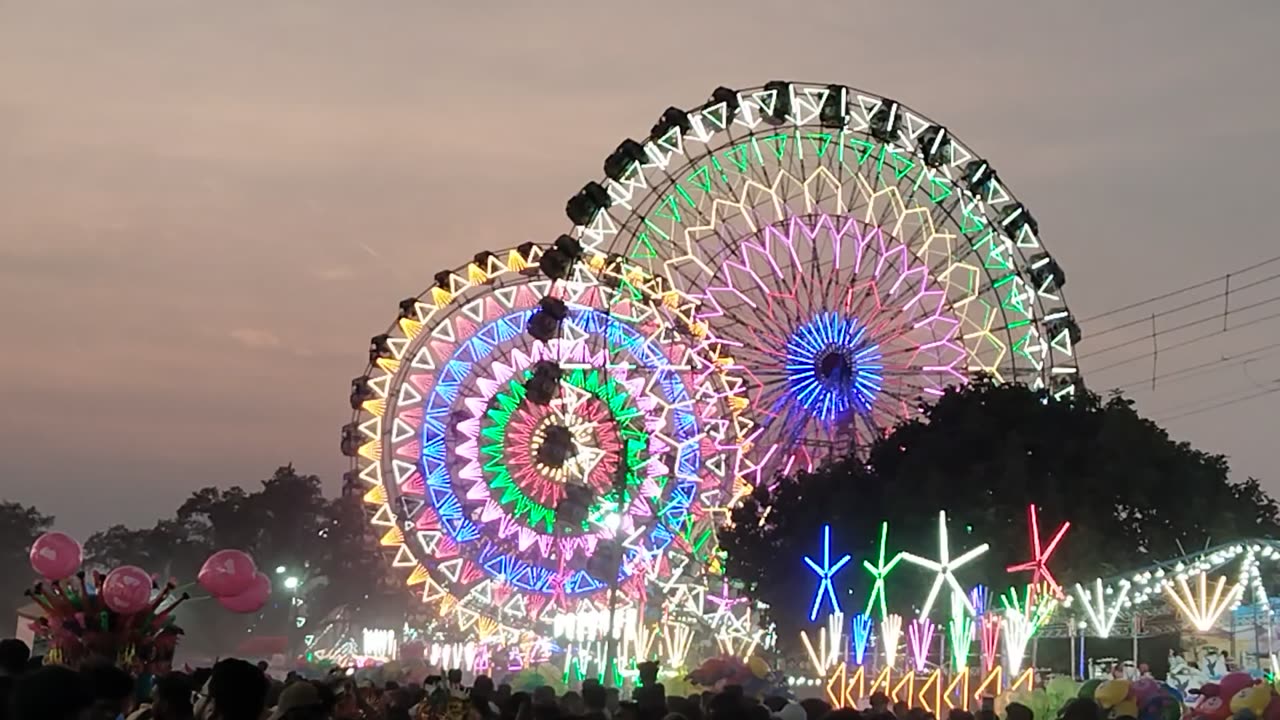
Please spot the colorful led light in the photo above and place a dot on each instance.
(989, 640)
(861, 634)
(879, 572)
(451, 449)
(776, 224)
(890, 636)
(920, 637)
(825, 573)
(1039, 562)
(1201, 609)
(945, 566)
(833, 368)
(960, 633)
(1095, 605)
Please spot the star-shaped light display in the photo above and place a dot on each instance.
(1040, 554)
(825, 572)
(880, 571)
(945, 566)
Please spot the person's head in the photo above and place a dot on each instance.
(958, 714)
(483, 687)
(171, 698)
(455, 676)
(900, 709)
(594, 696)
(112, 690)
(346, 703)
(546, 695)
(1080, 709)
(14, 655)
(815, 708)
(51, 693)
(1018, 711)
(299, 701)
(235, 690)
(571, 703)
(879, 702)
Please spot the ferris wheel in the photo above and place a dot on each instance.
(531, 444)
(853, 257)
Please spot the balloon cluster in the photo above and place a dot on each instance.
(232, 577)
(111, 617)
(118, 616)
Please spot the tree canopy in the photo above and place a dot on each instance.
(983, 453)
(19, 527)
(285, 523)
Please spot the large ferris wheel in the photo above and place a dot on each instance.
(773, 278)
(853, 255)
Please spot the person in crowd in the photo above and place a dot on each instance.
(594, 700)
(14, 655)
(1018, 711)
(51, 693)
(235, 690)
(170, 699)
(300, 701)
(112, 690)
(546, 695)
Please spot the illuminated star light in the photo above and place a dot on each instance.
(825, 572)
(945, 566)
(1039, 562)
(880, 571)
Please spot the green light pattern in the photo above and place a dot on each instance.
(623, 413)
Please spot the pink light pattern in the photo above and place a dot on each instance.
(920, 637)
(1039, 562)
(787, 273)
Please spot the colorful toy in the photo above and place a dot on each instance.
(1215, 697)
(1259, 698)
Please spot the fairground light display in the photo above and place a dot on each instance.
(853, 256)
(523, 440)
(780, 274)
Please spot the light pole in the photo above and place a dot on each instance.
(290, 583)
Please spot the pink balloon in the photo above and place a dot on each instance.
(227, 573)
(126, 590)
(252, 599)
(55, 555)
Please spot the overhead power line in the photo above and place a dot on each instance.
(1221, 404)
(1182, 290)
(1226, 292)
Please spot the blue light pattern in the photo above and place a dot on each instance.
(861, 637)
(825, 572)
(832, 367)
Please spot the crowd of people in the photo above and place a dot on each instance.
(238, 690)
